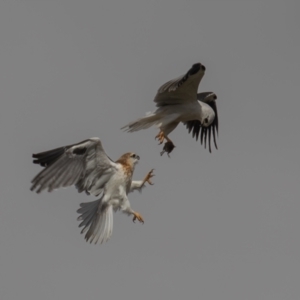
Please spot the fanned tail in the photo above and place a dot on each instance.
(97, 220)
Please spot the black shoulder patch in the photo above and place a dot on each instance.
(79, 151)
(194, 69)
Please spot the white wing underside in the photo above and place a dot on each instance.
(87, 166)
(84, 164)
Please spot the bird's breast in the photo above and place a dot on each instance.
(189, 111)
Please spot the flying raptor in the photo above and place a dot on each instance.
(177, 101)
(87, 166)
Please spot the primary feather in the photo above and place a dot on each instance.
(177, 101)
(87, 166)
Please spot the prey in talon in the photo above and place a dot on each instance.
(168, 148)
(177, 101)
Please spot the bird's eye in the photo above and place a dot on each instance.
(135, 156)
(206, 120)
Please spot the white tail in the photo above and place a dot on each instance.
(143, 123)
(97, 220)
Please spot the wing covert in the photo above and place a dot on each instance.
(77, 163)
(182, 89)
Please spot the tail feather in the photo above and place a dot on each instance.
(87, 213)
(97, 221)
(143, 123)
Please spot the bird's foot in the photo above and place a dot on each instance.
(136, 215)
(148, 177)
(168, 147)
(160, 137)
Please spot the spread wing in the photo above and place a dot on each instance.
(82, 164)
(202, 132)
(182, 89)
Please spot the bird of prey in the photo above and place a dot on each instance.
(87, 166)
(177, 101)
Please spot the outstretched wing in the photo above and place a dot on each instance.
(182, 89)
(202, 132)
(82, 164)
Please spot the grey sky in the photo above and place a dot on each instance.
(217, 226)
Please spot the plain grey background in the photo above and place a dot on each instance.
(217, 226)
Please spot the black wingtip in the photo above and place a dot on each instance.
(48, 157)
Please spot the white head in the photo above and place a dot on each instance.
(207, 114)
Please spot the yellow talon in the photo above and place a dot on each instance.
(148, 177)
(160, 137)
(137, 216)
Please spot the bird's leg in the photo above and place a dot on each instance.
(136, 215)
(160, 137)
(148, 177)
